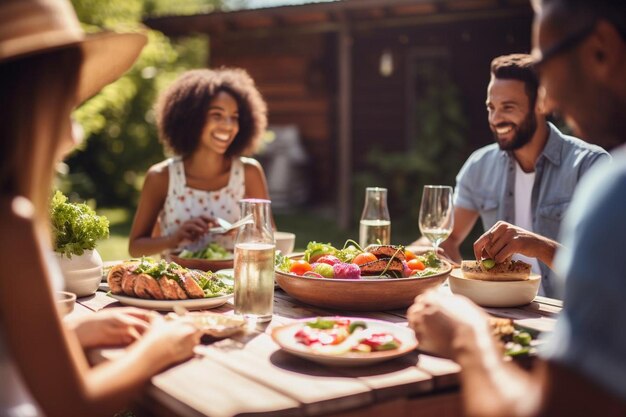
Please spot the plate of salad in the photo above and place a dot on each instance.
(212, 257)
(345, 341)
(376, 278)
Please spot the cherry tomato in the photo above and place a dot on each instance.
(363, 258)
(416, 264)
(300, 266)
(409, 255)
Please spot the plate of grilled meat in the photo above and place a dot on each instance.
(161, 285)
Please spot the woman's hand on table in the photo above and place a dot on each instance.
(111, 327)
(443, 324)
(504, 240)
(165, 341)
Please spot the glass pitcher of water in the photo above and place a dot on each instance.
(254, 262)
(375, 226)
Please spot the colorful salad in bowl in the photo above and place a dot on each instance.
(322, 260)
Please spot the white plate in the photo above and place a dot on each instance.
(227, 275)
(168, 305)
(284, 336)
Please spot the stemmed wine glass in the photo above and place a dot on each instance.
(436, 214)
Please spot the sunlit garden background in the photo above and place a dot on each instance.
(121, 142)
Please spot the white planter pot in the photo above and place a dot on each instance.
(82, 274)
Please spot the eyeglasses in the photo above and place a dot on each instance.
(570, 41)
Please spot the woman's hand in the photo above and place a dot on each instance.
(504, 240)
(110, 327)
(443, 324)
(191, 230)
(169, 342)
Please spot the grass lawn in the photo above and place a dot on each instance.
(308, 224)
(116, 246)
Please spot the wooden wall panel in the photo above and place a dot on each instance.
(293, 76)
(298, 75)
(381, 111)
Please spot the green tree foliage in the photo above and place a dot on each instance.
(120, 134)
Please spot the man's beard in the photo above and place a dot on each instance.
(523, 133)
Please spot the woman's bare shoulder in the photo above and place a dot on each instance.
(251, 164)
(158, 175)
(160, 169)
(255, 183)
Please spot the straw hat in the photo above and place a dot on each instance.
(30, 27)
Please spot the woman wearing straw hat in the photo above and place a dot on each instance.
(47, 67)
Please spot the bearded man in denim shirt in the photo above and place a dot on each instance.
(580, 47)
(527, 177)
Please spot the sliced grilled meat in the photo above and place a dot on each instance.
(128, 282)
(190, 285)
(378, 267)
(386, 251)
(114, 278)
(148, 287)
(171, 289)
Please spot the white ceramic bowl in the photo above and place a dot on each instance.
(65, 302)
(285, 242)
(83, 282)
(82, 273)
(495, 293)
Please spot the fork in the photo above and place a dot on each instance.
(226, 227)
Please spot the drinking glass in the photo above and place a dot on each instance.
(436, 218)
(254, 262)
(375, 225)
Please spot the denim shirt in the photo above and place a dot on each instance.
(586, 337)
(486, 184)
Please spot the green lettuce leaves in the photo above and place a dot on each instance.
(75, 226)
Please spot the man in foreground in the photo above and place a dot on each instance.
(581, 59)
(527, 177)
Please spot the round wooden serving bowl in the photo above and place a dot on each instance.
(365, 294)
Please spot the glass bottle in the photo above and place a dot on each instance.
(254, 262)
(375, 226)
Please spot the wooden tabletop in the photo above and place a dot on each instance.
(250, 375)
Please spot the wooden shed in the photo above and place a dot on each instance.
(346, 72)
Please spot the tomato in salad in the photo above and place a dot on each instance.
(408, 255)
(381, 341)
(363, 258)
(416, 264)
(300, 266)
(310, 336)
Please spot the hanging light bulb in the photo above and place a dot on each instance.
(386, 63)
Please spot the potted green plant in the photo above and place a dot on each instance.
(76, 228)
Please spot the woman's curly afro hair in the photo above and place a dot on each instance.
(183, 108)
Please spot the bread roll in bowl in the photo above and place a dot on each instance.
(505, 271)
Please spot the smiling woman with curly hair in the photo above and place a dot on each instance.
(209, 119)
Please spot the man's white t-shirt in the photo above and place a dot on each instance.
(523, 214)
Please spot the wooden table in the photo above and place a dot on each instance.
(250, 375)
